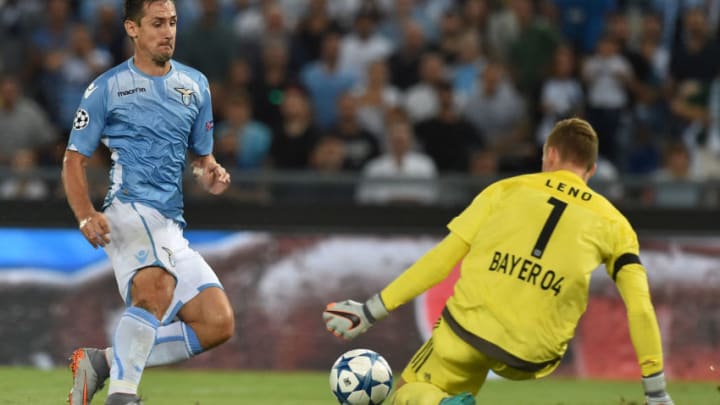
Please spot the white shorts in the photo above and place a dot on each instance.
(142, 237)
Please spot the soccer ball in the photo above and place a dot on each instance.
(361, 377)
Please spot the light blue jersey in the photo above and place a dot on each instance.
(148, 123)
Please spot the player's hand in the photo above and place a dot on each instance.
(220, 180)
(95, 229)
(655, 393)
(213, 177)
(348, 319)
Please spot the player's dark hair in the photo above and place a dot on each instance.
(576, 141)
(134, 9)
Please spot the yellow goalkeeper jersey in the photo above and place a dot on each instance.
(534, 242)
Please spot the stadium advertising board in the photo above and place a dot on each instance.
(279, 283)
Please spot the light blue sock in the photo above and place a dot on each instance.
(133, 341)
(173, 343)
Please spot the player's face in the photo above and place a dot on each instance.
(155, 35)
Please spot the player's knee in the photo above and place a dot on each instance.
(152, 290)
(156, 308)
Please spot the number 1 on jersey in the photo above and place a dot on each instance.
(549, 227)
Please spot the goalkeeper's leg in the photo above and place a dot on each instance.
(418, 393)
(445, 370)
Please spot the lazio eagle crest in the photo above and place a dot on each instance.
(186, 94)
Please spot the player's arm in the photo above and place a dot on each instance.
(632, 283)
(85, 134)
(92, 223)
(349, 319)
(210, 174)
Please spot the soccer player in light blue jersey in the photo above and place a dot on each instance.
(149, 111)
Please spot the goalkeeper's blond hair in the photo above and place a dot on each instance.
(576, 141)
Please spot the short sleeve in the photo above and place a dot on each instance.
(89, 122)
(201, 137)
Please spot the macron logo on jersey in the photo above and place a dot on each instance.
(123, 93)
(89, 91)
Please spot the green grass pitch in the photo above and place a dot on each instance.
(181, 387)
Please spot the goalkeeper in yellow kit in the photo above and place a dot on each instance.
(529, 245)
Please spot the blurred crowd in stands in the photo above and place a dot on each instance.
(415, 89)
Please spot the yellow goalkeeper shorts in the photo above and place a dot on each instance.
(454, 366)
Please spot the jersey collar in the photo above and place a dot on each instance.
(131, 65)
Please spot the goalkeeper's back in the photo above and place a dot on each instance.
(534, 242)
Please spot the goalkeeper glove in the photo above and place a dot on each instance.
(655, 393)
(348, 319)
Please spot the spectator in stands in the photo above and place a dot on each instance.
(497, 111)
(248, 21)
(401, 175)
(313, 26)
(210, 44)
(326, 81)
(274, 27)
(328, 155)
(469, 65)
(402, 12)
(48, 42)
(25, 126)
(15, 25)
(643, 87)
(644, 155)
(294, 134)
(696, 55)
(258, 21)
(21, 182)
(270, 81)
(329, 158)
(452, 29)
(607, 75)
(73, 69)
(652, 46)
(561, 94)
(364, 44)
(448, 138)
(376, 98)
(346, 12)
(241, 141)
(651, 109)
(704, 132)
(503, 30)
(675, 181)
(108, 32)
(476, 15)
(530, 53)
(53, 33)
(359, 145)
(421, 101)
(483, 162)
(689, 107)
(583, 22)
(404, 62)
(239, 77)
